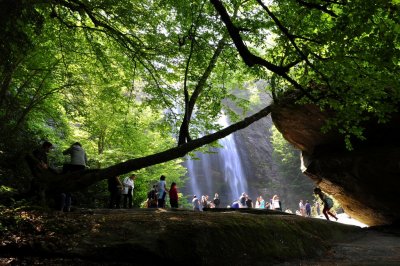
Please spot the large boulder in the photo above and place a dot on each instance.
(365, 180)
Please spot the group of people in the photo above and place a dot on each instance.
(274, 203)
(205, 202)
(245, 201)
(158, 193)
(155, 197)
(118, 189)
(304, 208)
(38, 163)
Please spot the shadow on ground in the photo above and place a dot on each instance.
(185, 237)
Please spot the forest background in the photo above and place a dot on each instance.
(136, 79)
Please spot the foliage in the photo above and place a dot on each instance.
(133, 78)
(340, 55)
(288, 160)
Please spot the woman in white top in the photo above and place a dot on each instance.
(162, 191)
(276, 204)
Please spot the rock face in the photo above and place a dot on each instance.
(168, 237)
(366, 180)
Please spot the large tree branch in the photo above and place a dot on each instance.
(292, 40)
(79, 180)
(189, 105)
(322, 8)
(249, 58)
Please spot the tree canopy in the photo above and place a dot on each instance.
(142, 83)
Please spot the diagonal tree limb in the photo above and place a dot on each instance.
(249, 58)
(79, 180)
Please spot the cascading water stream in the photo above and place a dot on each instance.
(222, 166)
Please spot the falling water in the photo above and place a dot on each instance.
(233, 170)
(222, 166)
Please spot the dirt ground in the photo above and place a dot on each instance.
(184, 237)
(378, 246)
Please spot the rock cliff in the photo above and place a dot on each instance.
(366, 180)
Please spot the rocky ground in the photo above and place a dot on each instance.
(184, 237)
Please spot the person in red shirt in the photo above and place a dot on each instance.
(173, 196)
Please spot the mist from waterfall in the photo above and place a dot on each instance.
(220, 171)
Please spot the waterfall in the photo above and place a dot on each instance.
(219, 171)
(232, 165)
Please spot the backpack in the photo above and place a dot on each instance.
(329, 202)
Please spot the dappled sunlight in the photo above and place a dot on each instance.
(175, 218)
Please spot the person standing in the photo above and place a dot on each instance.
(204, 201)
(242, 200)
(216, 200)
(78, 162)
(196, 203)
(276, 203)
(249, 202)
(129, 185)
(308, 209)
(317, 208)
(302, 208)
(38, 163)
(114, 187)
(173, 195)
(39, 159)
(162, 191)
(327, 201)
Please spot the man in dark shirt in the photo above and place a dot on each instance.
(308, 209)
(249, 202)
(114, 187)
(38, 161)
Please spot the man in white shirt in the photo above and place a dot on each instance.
(127, 191)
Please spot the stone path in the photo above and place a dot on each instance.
(376, 247)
